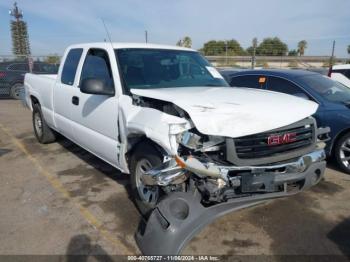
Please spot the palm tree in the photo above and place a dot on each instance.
(185, 42)
(302, 45)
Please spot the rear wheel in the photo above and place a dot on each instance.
(43, 133)
(342, 152)
(16, 90)
(145, 157)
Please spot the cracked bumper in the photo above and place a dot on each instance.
(172, 172)
(181, 215)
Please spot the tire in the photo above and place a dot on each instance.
(16, 90)
(144, 157)
(43, 133)
(342, 153)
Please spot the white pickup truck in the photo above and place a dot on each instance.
(165, 116)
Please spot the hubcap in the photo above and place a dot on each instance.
(17, 91)
(345, 153)
(38, 124)
(147, 193)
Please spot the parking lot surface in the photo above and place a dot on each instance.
(60, 199)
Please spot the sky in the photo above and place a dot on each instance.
(55, 24)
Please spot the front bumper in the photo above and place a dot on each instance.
(179, 216)
(174, 170)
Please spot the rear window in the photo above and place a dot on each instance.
(329, 89)
(250, 81)
(70, 66)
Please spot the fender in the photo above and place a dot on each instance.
(151, 123)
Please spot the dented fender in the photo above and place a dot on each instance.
(158, 126)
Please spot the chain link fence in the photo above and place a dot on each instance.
(301, 62)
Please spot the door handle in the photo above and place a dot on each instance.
(75, 100)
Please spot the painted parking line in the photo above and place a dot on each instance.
(55, 183)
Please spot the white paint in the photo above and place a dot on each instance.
(234, 112)
(341, 78)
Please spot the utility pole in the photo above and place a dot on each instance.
(226, 61)
(255, 43)
(146, 36)
(20, 39)
(332, 57)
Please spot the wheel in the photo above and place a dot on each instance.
(144, 157)
(43, 133)
(16, 90)
(342, 152)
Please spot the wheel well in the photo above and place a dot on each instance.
(338, 136)
(34, 100)
(135, 141)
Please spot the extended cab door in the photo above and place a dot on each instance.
(63, 92)
(95, 117)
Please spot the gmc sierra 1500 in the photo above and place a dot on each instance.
(167, 117)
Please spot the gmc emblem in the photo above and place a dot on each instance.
(275, 140)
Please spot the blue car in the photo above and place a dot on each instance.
(333, 99)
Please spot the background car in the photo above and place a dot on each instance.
(341, 73)
(320, 70)
(333, 99)
(12, 75)
(229, 71)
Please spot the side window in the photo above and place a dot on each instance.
(70, 66)
(284, 86)
(19, 67)
(97, 65)
(250, 81)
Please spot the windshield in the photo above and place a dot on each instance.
(162, 68)
(329, 89)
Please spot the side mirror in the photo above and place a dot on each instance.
(96, 86)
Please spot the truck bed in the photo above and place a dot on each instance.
(40, 86)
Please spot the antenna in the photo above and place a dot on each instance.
(108, 35)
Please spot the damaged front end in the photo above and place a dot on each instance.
(210, 176)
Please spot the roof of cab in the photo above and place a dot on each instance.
(129, 45)
(344, 66)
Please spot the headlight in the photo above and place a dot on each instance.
(190, 140)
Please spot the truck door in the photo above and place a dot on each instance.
(95, 124)
(63, 92)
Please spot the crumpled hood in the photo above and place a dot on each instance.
(234, 112)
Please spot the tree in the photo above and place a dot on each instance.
(19, 33)
(293, 52)
(52, 59)
(220, 47)
(185, 42)
(302, 45)
(272, 46)
(349, 49)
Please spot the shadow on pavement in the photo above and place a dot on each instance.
(340, 235)
(81, 249)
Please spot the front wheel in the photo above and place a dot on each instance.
(342, 153)
(145, 157)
